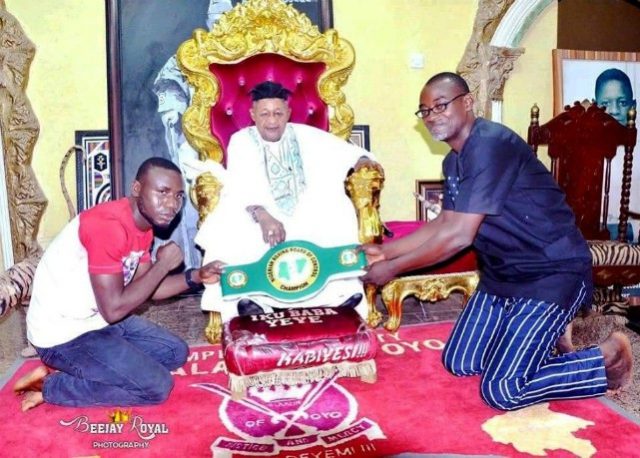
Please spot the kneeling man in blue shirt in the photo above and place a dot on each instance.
(535, 266)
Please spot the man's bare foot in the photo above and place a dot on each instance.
(32, 399)
(565, 343)
(32, 381)
(618, 360)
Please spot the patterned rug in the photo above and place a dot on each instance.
(414, 409)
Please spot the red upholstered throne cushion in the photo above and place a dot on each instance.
(231, 112)
(297, 346)
(462, 262)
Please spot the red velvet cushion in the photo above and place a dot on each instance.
(402, 228)
(296, 338)
(231, 112)
(462, 262)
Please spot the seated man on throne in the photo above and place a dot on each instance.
(283, 181)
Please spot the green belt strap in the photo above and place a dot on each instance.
(292, 271)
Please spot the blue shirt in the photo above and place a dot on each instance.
(528, 244)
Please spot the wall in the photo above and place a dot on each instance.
(67, 88)
(383, 90)
(605, 25)
(68, 83)
(532, 78)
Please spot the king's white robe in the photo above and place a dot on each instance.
(324, 214)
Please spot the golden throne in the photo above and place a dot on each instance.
(262, 40)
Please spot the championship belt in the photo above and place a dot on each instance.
(292, 271)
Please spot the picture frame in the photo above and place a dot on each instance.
(142, 38)
(575, 73)
(360, 136)
(429, 195)
(93, 168)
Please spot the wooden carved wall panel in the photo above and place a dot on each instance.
(19, 127)
(485, 67)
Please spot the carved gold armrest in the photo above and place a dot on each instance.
(205, 194)
(426, 288)
(213, 331)
(364, 187)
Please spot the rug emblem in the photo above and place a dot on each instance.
(537, 428)
(284, 418)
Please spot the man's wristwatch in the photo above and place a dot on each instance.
(190, 283)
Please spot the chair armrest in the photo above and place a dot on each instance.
(363, 187)
(205, 194)
(426, 288)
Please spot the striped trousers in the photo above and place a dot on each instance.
(509, 342)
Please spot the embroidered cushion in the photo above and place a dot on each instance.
(298, 345)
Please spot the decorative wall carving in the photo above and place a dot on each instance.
(20, 128)
(485, 67)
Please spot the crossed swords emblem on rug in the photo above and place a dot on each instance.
(280, 418)
(415, 407)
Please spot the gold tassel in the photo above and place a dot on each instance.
(366, 370)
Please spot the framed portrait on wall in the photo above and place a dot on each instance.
(93, 168)
(612, 80)
(575, 73)
(147, 92)
(429, 195)
(146, 89)
(360, 136)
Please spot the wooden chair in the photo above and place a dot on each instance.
(262, 40)
(582, 141)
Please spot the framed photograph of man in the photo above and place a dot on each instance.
(429, 194)
(93, 168)
(612, 80)
(147, 92)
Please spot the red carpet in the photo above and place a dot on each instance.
(415, 407)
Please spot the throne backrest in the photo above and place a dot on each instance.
(260, 40)
(231, 112)
(582, 141)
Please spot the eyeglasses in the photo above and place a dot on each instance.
(423, 113)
